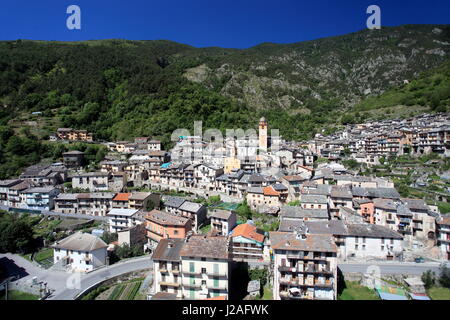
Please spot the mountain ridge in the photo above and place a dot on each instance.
(122, 88)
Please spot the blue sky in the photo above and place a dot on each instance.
(201, 23)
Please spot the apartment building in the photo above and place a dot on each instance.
(162, 225)
(270, 196)
(141, 200)
(247, 243)
(73, 135)
(92, 181)
(120, 201)
(39, 198)
(15, 193)
(96, 203)
(444, 237)
(423, 219)
(73, 159)
(374, 241)
(222, 222)
(340, 197)
(366, 209)
(205, 265)
(120, 219)
(305, 266)
(113, 165)
(45, 175)
(167, 267)
(66, 203)
(5, 190)
(196, 212)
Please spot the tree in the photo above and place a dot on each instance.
(444, 276)
(16, 235)
(150, 205)
(428, 278)
(259, 274)
(109, 237)
(244, 210)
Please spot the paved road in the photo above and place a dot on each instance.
(62, 215)
(88, 280)
(407, 268)
(68, 285)
(25, 270)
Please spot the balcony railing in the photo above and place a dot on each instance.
(169, 284)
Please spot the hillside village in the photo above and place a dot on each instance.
(204, 209)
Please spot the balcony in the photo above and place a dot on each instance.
(306, 257)
(220, 286)
(217, 273)
(291, 281)
(193, 272)
(404, 229)
(192, 285)
(286, 295)
(169, 284)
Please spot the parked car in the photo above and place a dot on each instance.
(419, 260)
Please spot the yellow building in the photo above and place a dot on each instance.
(230, 164)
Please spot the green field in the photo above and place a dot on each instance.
(444, 207)
(44, 257)
(439, 293)
(205, 229)
(268, 294)
(354, 291)
(18, 295)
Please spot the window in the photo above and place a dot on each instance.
(356, 247)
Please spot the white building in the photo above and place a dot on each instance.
(120, 219)
(305, 266)
(80, 252)
(223, 221)
(205, 267)
(370, 240)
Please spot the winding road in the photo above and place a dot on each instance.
(66, 285)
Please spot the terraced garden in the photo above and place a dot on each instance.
(122, 291)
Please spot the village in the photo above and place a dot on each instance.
(283, 214)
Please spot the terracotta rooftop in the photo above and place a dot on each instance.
(269, 191)
(248, 231)
(122, 197)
